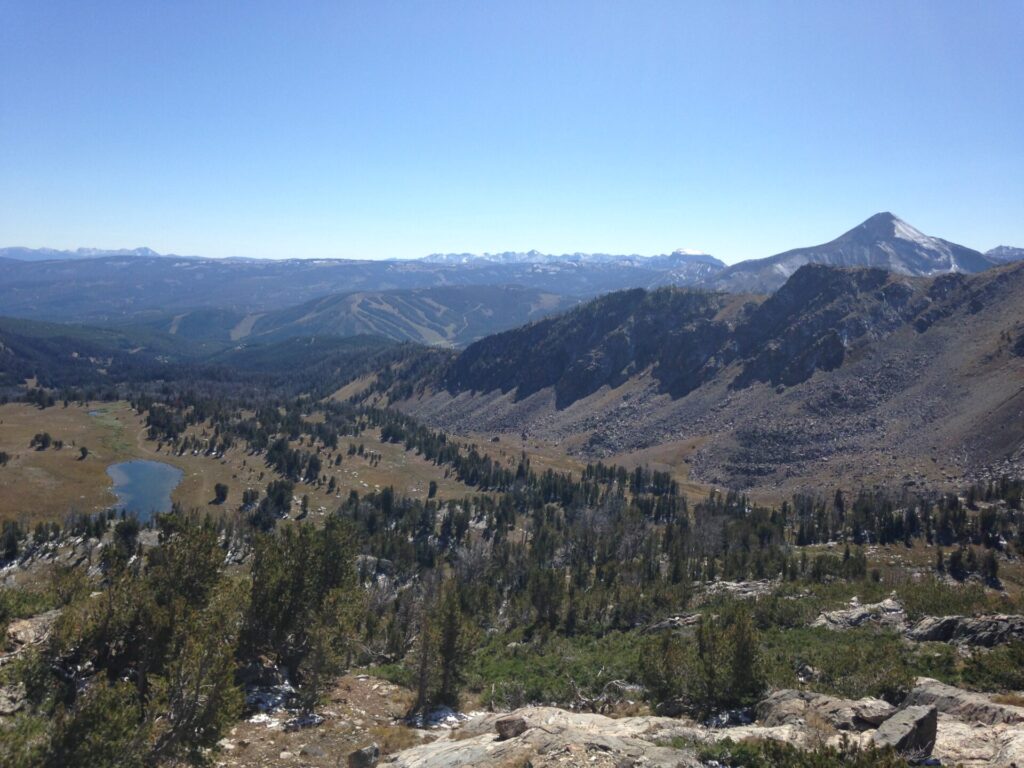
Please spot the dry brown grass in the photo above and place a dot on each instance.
(46, 485)
(1012, 699)
(354, 387)
(395, 738)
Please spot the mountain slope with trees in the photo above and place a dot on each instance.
(834, 364)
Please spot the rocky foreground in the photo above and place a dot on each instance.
(952, 726)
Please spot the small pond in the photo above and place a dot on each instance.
(144, 487)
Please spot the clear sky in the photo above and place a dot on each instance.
(396, 129)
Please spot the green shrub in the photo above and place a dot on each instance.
(852, 664)
(1000, 669)
(775, 754)
(551, 670)
(932, 597)
(718, 669)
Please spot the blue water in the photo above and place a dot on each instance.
(143, 487)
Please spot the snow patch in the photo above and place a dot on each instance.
(787, 268)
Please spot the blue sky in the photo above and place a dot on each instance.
(382, 129)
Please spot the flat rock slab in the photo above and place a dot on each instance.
(912, 729)
(966, 706)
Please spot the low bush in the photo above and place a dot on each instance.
(774, 754)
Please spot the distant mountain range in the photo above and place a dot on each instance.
(536, 257)
(449, 299)
(51, 254)
(115, 288)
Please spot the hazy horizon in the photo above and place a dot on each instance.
(385, 130)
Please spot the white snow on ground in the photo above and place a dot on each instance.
(932, 245)
(787, 268)
(904, 231)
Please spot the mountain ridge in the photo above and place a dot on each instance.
(775, 391)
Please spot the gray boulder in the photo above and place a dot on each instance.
(912, 729)
(367, 757)
(510, 727)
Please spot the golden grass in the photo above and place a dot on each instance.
(1013, 699)
(46, 485)
(395, 738)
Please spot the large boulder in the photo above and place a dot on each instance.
(790, 707)
(984, 631)
(911, 729)
(963, 705)
(889, 613)
(510, 727)
(367, 757)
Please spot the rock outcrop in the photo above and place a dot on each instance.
(965, 706)
(556, 737)
(972, 745)
(889, 613)
(789, 707)
(984, 631)
(30, 631)
(956, 727)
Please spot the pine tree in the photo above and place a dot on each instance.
(451, 649)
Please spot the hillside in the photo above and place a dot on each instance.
(63, 355)
(776, 393)
(883, 241)
(97, 359)
(450, 315)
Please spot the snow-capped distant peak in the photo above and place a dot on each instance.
(689, 252)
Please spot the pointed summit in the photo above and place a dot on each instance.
(880, 225)
(883, 241)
